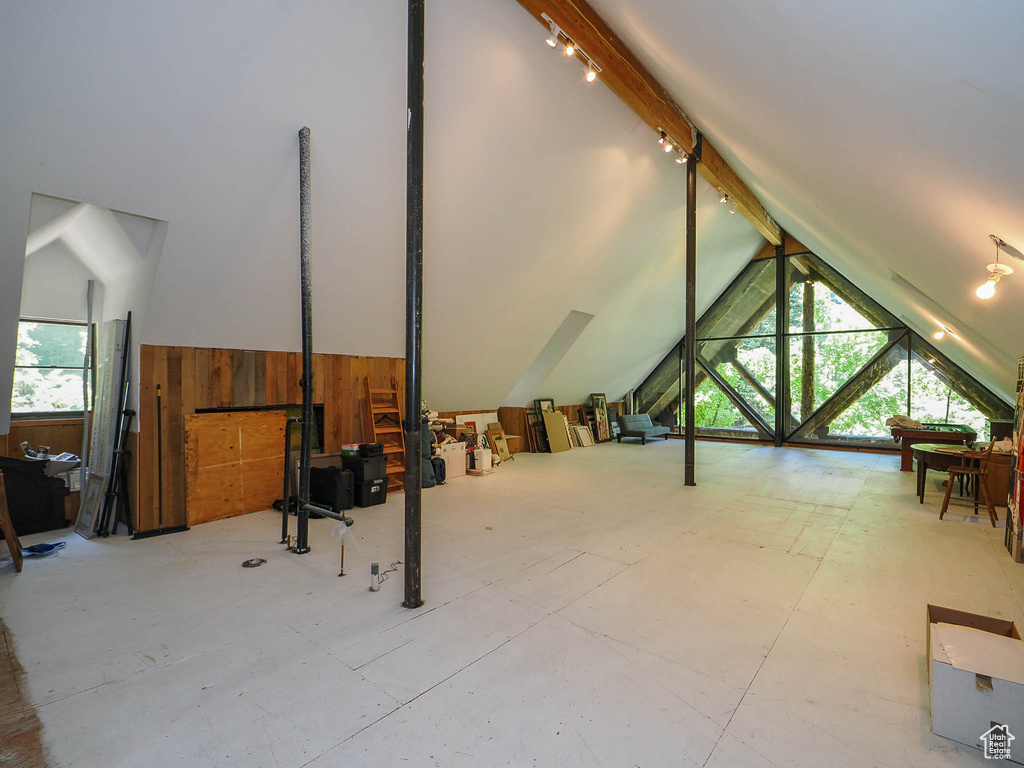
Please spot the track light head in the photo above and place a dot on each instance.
(552, 39)
(591, 73)
(669, 146)
(570, 48)
(733, 209)
(724, 198)
(939, 335)
(663, 138)
(682, 158)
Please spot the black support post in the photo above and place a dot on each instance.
(781, 349)
(690, 354)
(302, 533)
(414, 307)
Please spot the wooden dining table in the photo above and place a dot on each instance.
(942, 456)
(907, 438)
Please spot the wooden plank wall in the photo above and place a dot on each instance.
(62, 435)
(194, 379)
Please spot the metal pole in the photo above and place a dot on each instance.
(414, 307)
(781, 348)
(86, 373)
(302, 534)
(159, 459)
(691, 317)
(286, 494)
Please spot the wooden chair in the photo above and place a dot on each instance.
(8, 528)
(973, 467)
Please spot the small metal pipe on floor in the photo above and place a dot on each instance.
(414, 307)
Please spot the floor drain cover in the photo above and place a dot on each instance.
(254, 563)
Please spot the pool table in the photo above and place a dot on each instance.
(930, 433)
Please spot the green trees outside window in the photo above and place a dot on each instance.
(848, 365)
(48, 367)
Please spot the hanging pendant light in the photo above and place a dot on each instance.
(996, 271)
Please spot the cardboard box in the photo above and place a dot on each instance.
(976, 679)
(454, 455)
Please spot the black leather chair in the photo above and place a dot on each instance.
(35, 501)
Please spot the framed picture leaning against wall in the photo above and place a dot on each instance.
(602, 427)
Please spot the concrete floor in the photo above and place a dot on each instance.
(582, 609)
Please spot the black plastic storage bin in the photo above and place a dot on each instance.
(370, 493)
(331, 487)
(364, 470)
(371, 450)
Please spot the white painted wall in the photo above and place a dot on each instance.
(543, 194)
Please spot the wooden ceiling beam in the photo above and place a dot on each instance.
(630, 80)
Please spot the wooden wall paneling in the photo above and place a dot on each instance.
(227, 366)
(260, 375)
(201, 386)
(145, 444)
(513, 421)
(174, 441)
(213, 381)
(293, 390)
(188, 380)
(342, 391)
(281, 367)
(269, 378)
(62, 435)
(318, 378)
(159, 374)
(355, 414)
(243, 378)
(325, 375)
(194, 379)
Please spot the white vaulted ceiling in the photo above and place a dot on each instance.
(887, 137)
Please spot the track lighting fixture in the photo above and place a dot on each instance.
(552, 39)
(939, 335)
(671, 145)
(724, 198)
(733, 209)
(571, 49)
(996, 271)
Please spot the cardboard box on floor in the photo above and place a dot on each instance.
(454, 455)
(976, 678)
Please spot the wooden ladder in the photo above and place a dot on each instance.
(384, 426)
